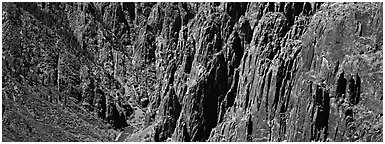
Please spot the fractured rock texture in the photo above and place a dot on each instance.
(194, 71)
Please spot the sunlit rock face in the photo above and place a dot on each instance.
(255, 72)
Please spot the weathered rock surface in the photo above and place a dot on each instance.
(199, 71)
(274, 72)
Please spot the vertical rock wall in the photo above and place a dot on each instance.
(274, 72)
(208, 71)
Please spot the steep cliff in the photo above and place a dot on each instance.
(271, 72)
(193, 71)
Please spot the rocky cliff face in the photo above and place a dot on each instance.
(200, 71)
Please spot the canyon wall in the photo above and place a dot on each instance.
(203, 71)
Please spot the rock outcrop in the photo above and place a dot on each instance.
(272, 72)
(202, 71)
